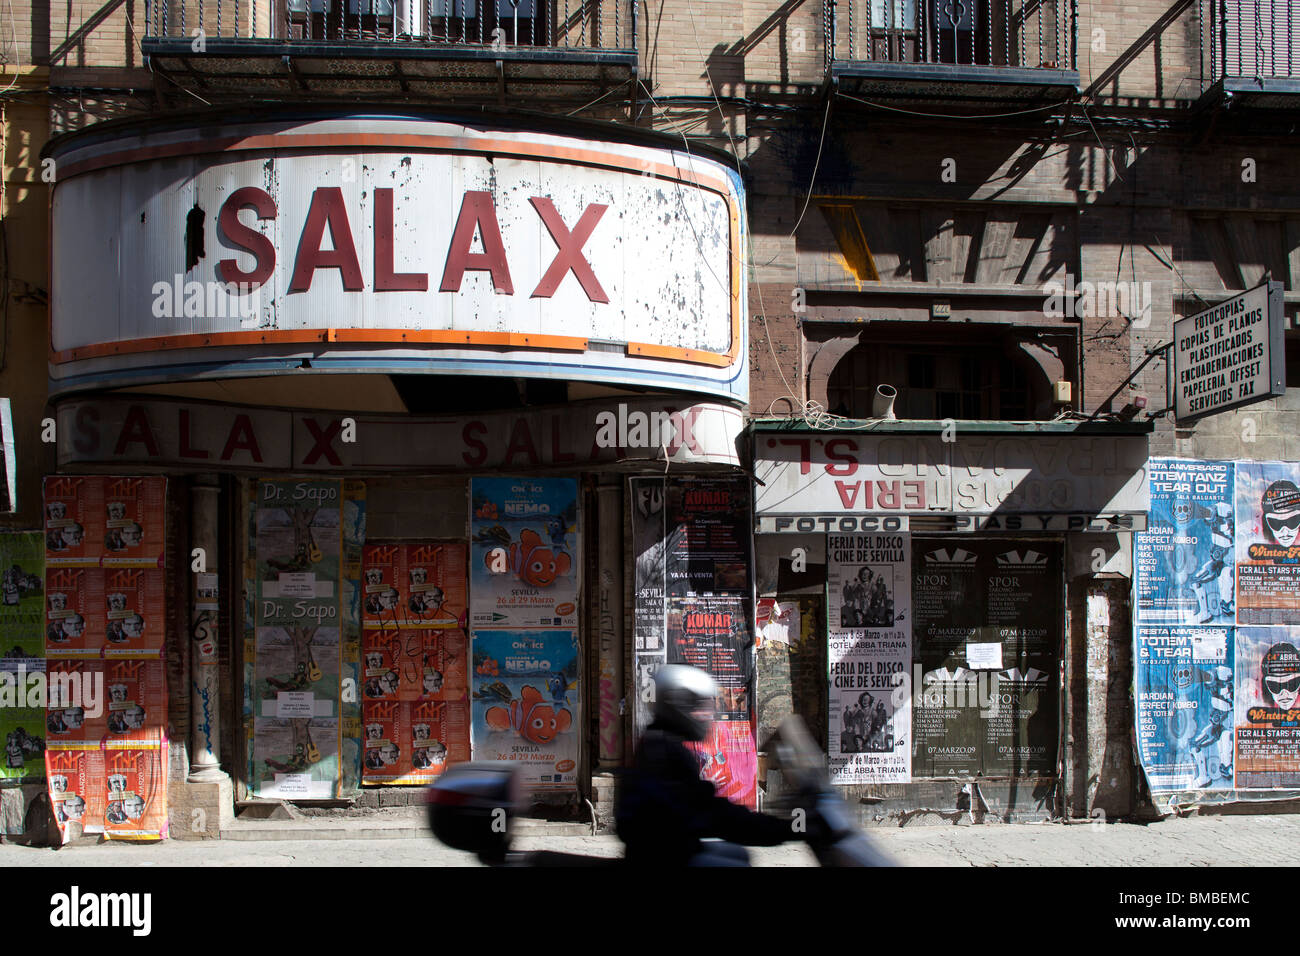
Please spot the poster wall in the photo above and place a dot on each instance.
(104, 627)
(524, 553)
(295, 661)
(1268, 554)
(415, 661)
(987, 635)
(1186, 557)
(1268, 707)
(1183, 688)
(869, 597)
(1215, 704)
(525, 703)
(693, 605)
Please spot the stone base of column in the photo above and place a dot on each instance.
(201, 807)
(602, 798)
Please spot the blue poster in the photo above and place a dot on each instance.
(524, 552)
(525, 704)
(1184, 562)
(1184, 690)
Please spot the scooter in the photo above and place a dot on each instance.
(472, 805)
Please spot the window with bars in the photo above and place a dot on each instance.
(1259, 37)
(510, 22)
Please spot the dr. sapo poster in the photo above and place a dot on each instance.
(525, 705)
(524, 552)
(870, 654)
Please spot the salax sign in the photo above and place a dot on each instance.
(396, 242)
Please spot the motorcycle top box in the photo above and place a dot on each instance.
(471, 806)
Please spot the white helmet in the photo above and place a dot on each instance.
(684, 700)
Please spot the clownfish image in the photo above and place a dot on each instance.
(535, 564)
(531, 717)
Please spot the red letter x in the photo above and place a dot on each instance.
(568, 254)
(324, 441)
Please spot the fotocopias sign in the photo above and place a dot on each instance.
(1229, 355)
(387, 243)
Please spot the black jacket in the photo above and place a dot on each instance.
(663, 808)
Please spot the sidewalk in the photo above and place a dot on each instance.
(1221, 841)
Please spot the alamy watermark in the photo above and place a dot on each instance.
(1085, 300)
(80, 695)
(177, 299)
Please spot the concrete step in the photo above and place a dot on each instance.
(375, 826)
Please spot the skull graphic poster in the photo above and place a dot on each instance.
(525, 704)
(1268, 542)
(524, 552)
(1268, 708)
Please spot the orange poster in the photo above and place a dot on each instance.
(74, 612)
(76, 706)
(73, 510)
(408, 664)
(131, 524)
(136, 700)
(411, 742)
(74, 779)
(134, 612)
(135, 789)
(414, 585)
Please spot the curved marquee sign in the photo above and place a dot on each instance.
(394, 245)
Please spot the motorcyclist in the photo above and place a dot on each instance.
(663, 809)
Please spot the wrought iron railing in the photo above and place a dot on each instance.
(1250, 38)
(496, 24)
(995, 33)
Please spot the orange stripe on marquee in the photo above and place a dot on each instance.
(163, 343)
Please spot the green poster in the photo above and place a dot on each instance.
(22, 595)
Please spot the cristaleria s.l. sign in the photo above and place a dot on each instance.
(393, 244)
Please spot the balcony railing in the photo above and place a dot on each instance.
(1250, 38)
(988, 33)
(497, 25)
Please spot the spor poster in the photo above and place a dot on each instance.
(1186, 558)
(524, 553)
(870, 651)
(1268, 552)
(525, 704)
(1183, 689)
(1268, 707)
(986, 631)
